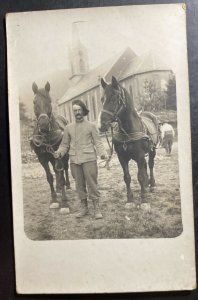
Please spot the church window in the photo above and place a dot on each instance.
(130, 91)
(87, 105)
(70, 116)
(82, 65)
(94, 108)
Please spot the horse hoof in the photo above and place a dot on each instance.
(68, 188)
(64, 210)
(152, 189)
(54, 205)
(146, 207)
(129, 205)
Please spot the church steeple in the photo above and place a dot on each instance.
(78, 55)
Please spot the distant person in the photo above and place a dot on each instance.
(82, 140)
(166, 136)
(166, 129)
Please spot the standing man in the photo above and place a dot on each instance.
(82, 140)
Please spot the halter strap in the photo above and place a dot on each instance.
(121, 101)
(108, 112)
(43, 115)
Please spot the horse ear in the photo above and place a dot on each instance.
(103, 83)
(114, 82)
(47, 87)
(34, 87)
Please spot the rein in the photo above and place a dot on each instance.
(39, 140)
(107, 161)
(110, 148)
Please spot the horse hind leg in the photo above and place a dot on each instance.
(170, 146)
(152, 154)
(143, 177)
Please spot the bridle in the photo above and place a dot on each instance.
(49, 121)
(115, 118)
(43, 139)
(121, 105)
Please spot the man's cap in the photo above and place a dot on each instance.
(82, 105)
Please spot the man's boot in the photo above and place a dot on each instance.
(84, 209)
(97, 212)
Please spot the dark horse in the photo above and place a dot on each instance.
(135, 136)
(46, 138)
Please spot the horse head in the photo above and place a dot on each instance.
(114, 103)
(42, 107)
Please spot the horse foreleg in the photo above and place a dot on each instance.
(66, 167)
(64, 201)
(170, 144)
(127, 178)
(58, 187)
(152, 154)
(50, 179)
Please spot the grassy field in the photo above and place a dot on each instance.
(164, 220)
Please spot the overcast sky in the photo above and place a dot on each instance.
(41, 39)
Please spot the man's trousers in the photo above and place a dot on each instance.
(86, 176)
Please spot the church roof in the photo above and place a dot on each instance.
(90, 80)
(122, 65)
(147, 62)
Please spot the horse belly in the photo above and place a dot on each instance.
(132, 150)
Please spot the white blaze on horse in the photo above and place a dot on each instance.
(167, 137)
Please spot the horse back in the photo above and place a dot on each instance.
(151, 125)
(62, 122)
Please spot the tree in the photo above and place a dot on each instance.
(152, 98)
(23, 112)
(171, 102)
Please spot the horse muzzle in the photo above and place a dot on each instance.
(44, 124)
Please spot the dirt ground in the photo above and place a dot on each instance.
(164, 220)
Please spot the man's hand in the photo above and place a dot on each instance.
(104, 156)
(57, 154)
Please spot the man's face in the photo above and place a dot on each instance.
(78, 112)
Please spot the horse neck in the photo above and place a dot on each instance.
(129, 118)
(54, 124)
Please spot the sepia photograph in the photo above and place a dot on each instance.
(100, 142)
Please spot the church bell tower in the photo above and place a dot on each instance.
(78, 55)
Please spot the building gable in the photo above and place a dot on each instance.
(113, 66)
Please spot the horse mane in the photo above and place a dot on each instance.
(129, 101)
